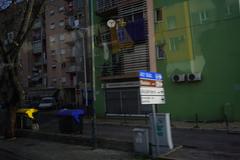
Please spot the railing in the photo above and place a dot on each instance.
(37, 47)
(105, 5)
(110, 70)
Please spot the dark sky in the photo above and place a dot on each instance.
(5, 3)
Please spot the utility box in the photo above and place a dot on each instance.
(141, 141)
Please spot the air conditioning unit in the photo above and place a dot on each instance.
(177, 78)
(191, 77)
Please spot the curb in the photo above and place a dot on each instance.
(230, 131)
(106, 143)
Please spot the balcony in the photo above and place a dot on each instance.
(38, 63)
(37, 24)
(72, 69)
(73, 7)
(71, 23)
(70, 39)
(37, 47)
(110, 70)
(105, 7)
(71, 55)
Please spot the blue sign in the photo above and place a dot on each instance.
(150, 75)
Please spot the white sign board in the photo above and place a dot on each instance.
(153, 99)
(151, 91)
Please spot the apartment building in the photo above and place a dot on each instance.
(33, 57)
(122, 49)
(192, 43)
(54, 55)
(65, 47)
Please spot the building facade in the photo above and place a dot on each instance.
(52, 56)
(121, 51)
(192, 43)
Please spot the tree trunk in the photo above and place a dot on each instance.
(10, 122)
(11, 94)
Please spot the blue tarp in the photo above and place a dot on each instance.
(137, 30)
(74, 113)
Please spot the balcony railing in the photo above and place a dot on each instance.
(37, 24)
(72, 69)
(105, 5)
(37, 47)
(111, 70)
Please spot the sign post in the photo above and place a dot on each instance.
(152, 92)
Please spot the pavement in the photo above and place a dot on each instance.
(33, 149)
(192, 141)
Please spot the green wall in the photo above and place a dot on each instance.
(99, 103)
(212, 36)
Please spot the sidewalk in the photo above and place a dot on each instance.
(29, 149)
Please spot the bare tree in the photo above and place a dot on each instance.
(17, 18)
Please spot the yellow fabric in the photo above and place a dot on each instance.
(28, 111)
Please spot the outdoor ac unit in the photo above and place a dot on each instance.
(194, 77)
(178, 78)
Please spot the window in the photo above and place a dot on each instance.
(62, 51)
(52, 39)
(171, 22)
(172, 44)
(63, 65)
(52, 25)
(61, 37)
(54, 80)
(61, 23)
(61, 9)
(52, 12)
(203, 15)
(54, 66)
(53, 52)
(158, 15)
(160, 52)
(175, 42)
(63, 79)
(229, 10)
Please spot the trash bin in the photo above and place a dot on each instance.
(141, 141)
(71, 120)
(27, 118)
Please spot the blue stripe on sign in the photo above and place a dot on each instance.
(150, 75)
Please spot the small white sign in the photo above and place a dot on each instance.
(153, 99)
(151, 91)
(111, 23)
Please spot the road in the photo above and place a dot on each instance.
(197, 144)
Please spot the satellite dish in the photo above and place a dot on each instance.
(111, 23)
